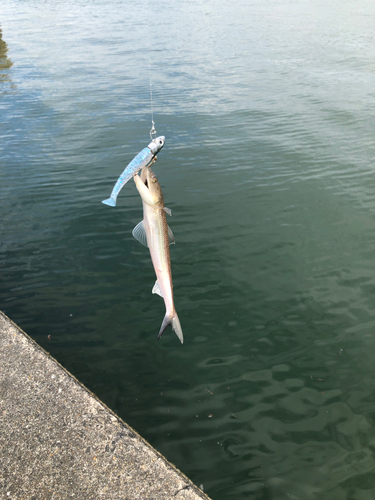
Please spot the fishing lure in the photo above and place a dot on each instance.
(143, 159)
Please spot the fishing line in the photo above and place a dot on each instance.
(153, 129)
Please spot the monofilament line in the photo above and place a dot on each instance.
(153, 129)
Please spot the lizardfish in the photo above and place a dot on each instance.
(143, 159)
(155, 233)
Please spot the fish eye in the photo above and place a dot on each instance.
(160, 142)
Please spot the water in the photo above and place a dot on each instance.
(268, 113)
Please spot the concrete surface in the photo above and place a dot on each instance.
(57, 440)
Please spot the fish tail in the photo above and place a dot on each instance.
(174, 322)
(110, 201)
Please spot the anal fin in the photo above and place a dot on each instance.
(157, 289)
(171, 239)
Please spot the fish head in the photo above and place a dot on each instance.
(156, 144)
(151, 193)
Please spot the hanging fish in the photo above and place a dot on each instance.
(143, 159)
(155, 233)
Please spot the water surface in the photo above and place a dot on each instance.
(268, 113)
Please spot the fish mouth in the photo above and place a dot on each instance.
(148, 177)
(144, 175)
(153, 178)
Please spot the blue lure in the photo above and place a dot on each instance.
(143, 159)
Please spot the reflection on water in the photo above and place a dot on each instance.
(268, 170)
(5, 62)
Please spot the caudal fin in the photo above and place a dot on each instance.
(110, 201)
(175, 324)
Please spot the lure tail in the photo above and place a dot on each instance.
(110, 201)
(174, 322)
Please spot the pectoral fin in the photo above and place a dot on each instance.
(168, 211)
(157, 289)
(172, 241)
(139, 233)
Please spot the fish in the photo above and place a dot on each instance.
(154, 233)
(143, 159)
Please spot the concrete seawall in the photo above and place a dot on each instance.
(57, 440)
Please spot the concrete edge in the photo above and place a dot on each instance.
(197, 492)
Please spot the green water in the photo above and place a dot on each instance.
(268, 112)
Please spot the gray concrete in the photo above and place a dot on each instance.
(57, 440)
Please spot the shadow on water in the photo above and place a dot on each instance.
(5, 62)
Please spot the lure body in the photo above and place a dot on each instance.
(143, 159)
